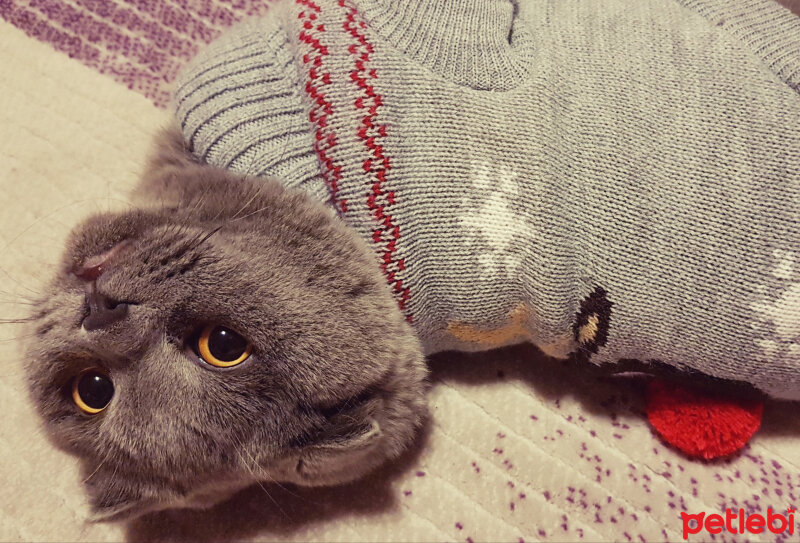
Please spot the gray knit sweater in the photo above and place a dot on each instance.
(614, 178)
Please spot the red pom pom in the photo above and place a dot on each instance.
(700, 424)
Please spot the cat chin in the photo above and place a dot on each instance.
(325, 464)
(381, 428)
(203, 498)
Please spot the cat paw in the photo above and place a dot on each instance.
(701, 424)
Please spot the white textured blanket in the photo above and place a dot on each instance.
(518, 448)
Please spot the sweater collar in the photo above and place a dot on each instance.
(476, 43)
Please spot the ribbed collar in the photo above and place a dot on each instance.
(771, 31)
(477, 43)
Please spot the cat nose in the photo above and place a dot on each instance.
(103, 311)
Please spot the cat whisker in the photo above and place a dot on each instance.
(254, 163)
(17, 302)
(218, 215)
(271, 498)
(100, 465)
(205, 238)
(200, 201)
(17, 338)
(17, 296)
(55, 212)
(49, 216)
(21, 320)
(271, 478)
(251, 214)
(128, 203)
(19, 372)
(256, 477)
(275, 482)
(114, 473)
(20, 285)
(248, 202)
(347, 403)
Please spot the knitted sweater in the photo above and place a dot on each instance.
(613, 178)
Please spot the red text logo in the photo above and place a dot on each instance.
(737, 522)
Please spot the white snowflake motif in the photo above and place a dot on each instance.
(783, 312)
(495, 220)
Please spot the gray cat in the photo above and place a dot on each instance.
(140, 365)
(512, 182)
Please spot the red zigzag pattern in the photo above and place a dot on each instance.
(377, 164)
(321, 107)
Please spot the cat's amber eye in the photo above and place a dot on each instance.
(92, 391)
(222, 347)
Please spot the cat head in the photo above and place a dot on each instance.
(231, 332)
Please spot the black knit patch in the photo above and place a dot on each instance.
(594, 308)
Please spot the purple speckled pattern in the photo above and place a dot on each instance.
(579, 463)
(140, 43)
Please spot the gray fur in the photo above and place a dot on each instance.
(336, 382)
(646, 177)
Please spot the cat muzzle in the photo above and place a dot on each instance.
(103, 311)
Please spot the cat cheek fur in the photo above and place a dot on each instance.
(113, 497)
(337, 384)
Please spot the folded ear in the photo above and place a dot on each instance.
(169, 160)
(170, 150)
(174, 177)
(342, 457)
